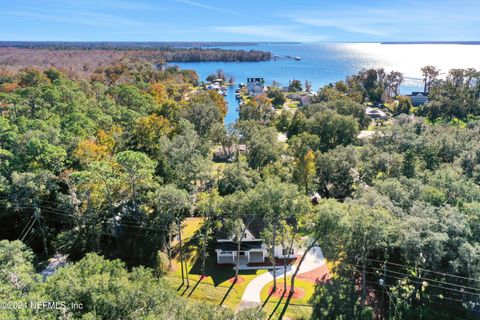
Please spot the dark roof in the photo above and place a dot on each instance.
(255, 226)
(244, 246)
(251, 80)
(416, 93)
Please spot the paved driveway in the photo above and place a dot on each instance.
(251, 295)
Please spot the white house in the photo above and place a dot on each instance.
(419, 98)
(374, 113)
(252, 247)
(256, 86)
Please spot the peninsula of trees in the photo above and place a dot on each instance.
(81, 59)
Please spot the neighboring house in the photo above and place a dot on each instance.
(252, 248)
(58, 261)
(256, 86)
(217, 86)
(228, 153)
(365, 134)
(374, 113)
(282, 137)
(419, 98)
(315, 199)
(303, 97)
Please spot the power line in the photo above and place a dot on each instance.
(28, 223)
(91, 219)
(417, 282)
(125, 224)
(394, 305)
(438, 299)
(54, 211)
(30, 228)
(58, 211)
(430, 271)
(426, 279)
(431, 285)
(430, 294)
(419, 278)
(30, 206)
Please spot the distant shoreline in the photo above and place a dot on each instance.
(474, 43)
(129, 45)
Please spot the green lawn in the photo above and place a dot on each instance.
(294, 308)
(216, 287)
(211, 290)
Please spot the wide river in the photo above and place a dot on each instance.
(325, 63)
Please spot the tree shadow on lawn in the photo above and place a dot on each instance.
(186, 289)
(218, 272)
(194, 287)
(266, 300)
(190, 246)
(276, 307)
(285, 306)
(228, 292)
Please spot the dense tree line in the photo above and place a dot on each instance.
(398, 214)
(94, 288)
(113, 166)
(121, 45)
(368, 85)
(457, 96)
(82, 62)
(96, 151)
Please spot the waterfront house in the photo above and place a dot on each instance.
(256, 86)
(419, 98)
(304, 98)
(252, 247)
(375, 113)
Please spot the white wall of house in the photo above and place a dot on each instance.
(229, 257)
(279, 253)
(225, 257)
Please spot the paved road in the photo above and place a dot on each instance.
(251, 295)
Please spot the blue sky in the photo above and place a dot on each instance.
(243, 20)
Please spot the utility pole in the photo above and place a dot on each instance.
(182, 258)
(37, 213)
(364, 281)
(181, 251)
(383, 284)
(204, 245)
(273, 256)
(389, 309)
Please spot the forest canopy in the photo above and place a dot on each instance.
(107, 169)
(81, 60)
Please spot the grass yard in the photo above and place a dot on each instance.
(296, 308)
(211, 290)
(215, 287)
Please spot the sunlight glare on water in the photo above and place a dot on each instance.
(409, 58)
